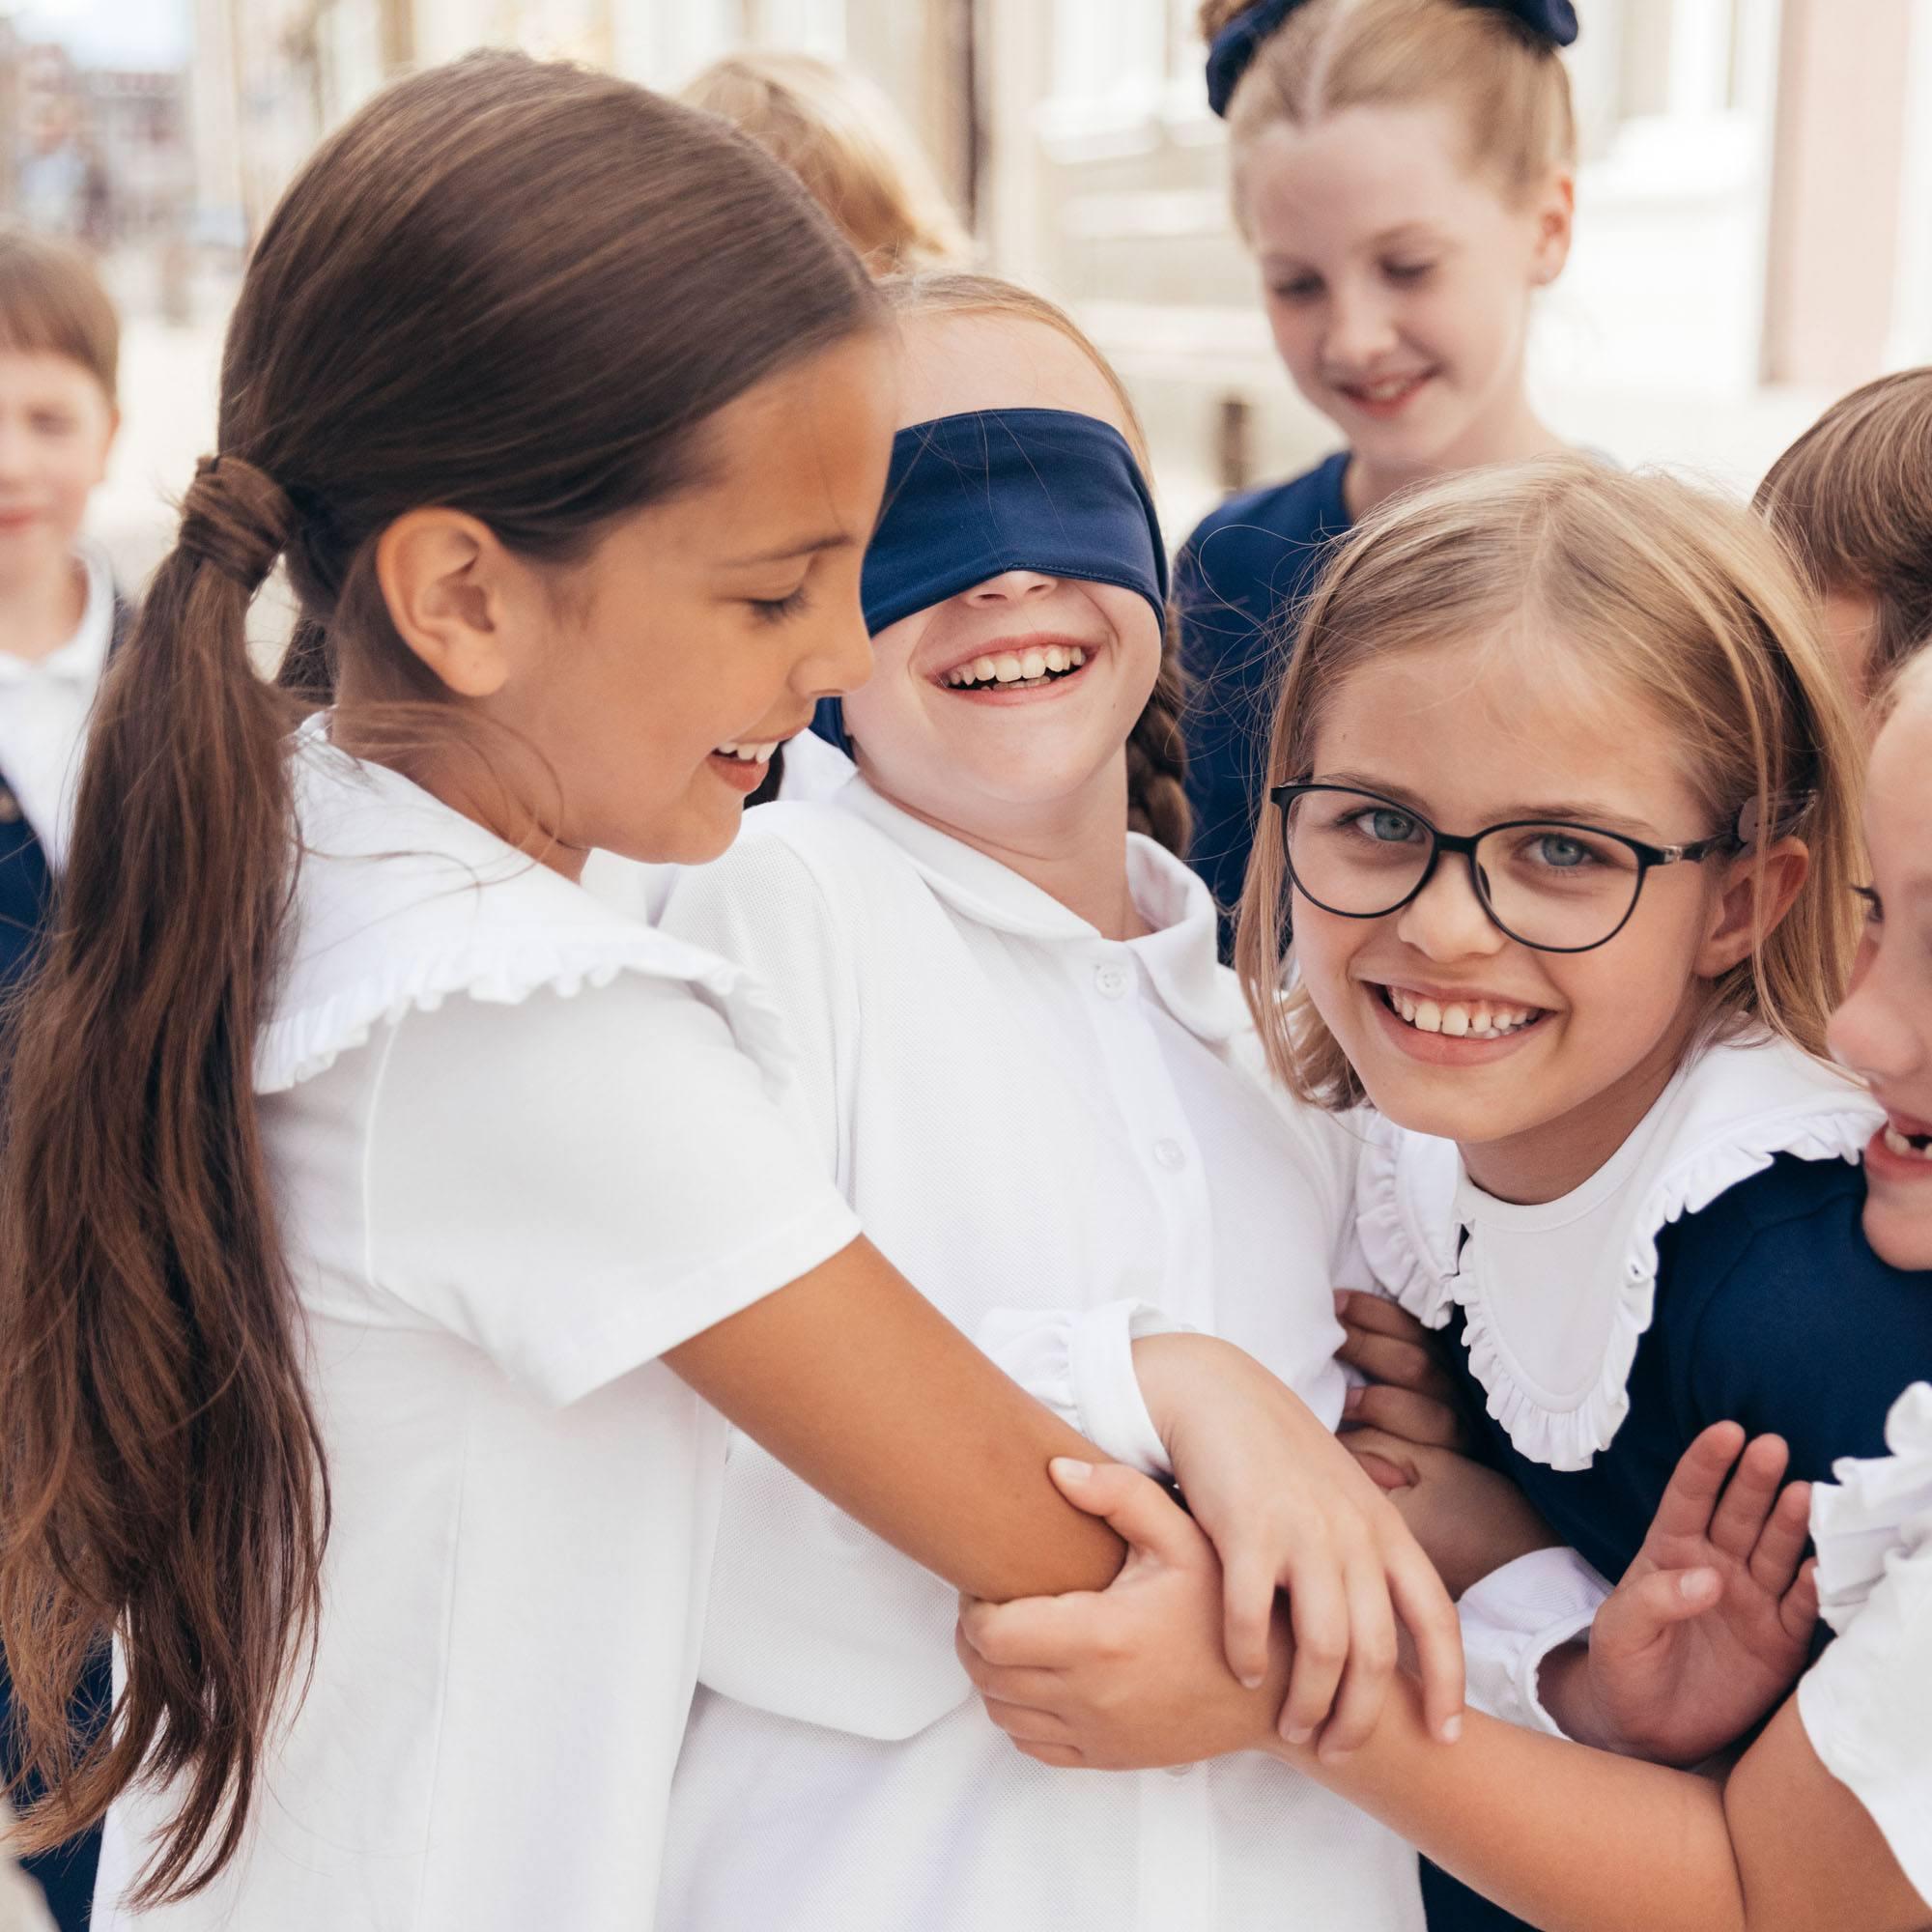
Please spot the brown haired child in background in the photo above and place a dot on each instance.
(59, 619)
(1853, 497)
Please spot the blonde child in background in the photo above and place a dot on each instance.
(1402, 173)
(1825, 1823)
(838, 133)
(1853, 498)
(849, 145)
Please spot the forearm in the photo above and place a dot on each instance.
(854, 1380)
(1568, 1838)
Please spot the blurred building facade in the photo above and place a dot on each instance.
(1754, 206)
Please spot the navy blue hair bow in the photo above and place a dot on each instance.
(1236, 45)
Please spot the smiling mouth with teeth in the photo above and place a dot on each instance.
(1017, 671)
(1472, 1019)
(747, 755)
(1915, 1147)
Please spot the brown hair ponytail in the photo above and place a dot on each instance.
(514, 289)
(1158, 754)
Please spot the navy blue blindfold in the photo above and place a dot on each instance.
(971, 497)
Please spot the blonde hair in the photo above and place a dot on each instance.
(1513, 89)
(1156, 746)
(1685, 600)
(849, 146)
(1853, 497)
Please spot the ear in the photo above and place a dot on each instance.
(442, 577)
(1752, 904)
(1555, 214)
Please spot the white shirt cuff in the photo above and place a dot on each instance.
(1081, 1365)
(1513, 1619)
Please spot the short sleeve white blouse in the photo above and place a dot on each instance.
(523, 1144)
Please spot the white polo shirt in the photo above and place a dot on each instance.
(1042, 1128)
(521, 1145)
(44, 705)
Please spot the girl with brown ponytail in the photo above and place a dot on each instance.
(1037, 1087)
(377, 1206)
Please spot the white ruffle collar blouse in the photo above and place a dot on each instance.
(1556, 1295)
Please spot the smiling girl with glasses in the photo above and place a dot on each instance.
(1607, 1159)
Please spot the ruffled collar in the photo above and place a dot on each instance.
(1874, 1511)
(1555, 1297)
(1179, 955)
(400, 902)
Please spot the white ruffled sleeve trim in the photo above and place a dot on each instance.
(1407, 1220)
(504, 969)
(1866, 1706)
(1875, 1513)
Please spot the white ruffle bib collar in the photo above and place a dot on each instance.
(400, 901)
(1557, 1296)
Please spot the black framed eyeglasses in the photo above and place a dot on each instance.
(1548, 885)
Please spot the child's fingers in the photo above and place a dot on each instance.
(1797, 1613)
(1010, 1683)
(1376, 1467)
(1144, 1514)
(1063, 1757)
(1643, 1610)
(1371, 1659)
(1354, 1308)
(1780, 1547)
(1750, 1497)
(1697, 1481)
(1402, 1364)
(1042, 1633)
(1318, 1614)
(1428, 1614)
(1247, 1599)
(1403, 1412)
(1026, 1726)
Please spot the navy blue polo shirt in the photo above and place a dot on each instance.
(1773, 1310)
(1236, 583)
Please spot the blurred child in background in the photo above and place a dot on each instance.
(1853, 497)
(1402, 171)
(60, 618)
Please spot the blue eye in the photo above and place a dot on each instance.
(1561, 854)
(1382, 824)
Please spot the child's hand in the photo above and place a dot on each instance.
(1469, 1519)
(1287, 1506)
(1132, 1677)
(1409, 1393)
(1711, 1625)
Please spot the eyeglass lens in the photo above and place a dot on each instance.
(1556, 886)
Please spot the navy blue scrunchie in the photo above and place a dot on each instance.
(1236, 45)
(970, 496)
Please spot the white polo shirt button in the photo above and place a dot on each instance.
(1171, 1154)
(1112, 982)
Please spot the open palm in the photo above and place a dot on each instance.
(1712, 1623)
